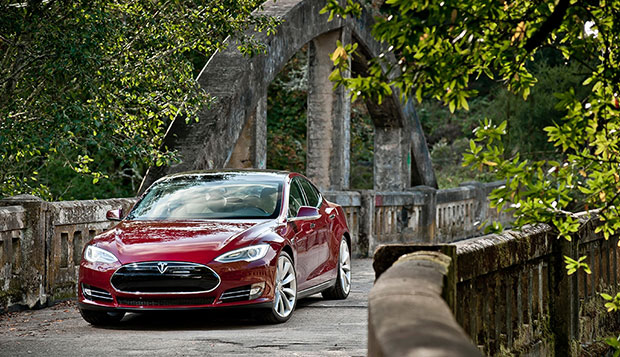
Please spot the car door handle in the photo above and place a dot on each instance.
(332, 216)
(312, 225)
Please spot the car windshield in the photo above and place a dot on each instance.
(209, 197)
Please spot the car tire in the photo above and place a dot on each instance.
(101, 318)
(285, 292)
(341, 289)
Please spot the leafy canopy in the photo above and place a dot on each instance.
(85, 81)
(440, 47)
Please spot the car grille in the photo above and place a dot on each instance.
(236, 294)
(165, 278)
(165, 302)
(96, 294)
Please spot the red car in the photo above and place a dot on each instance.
(259, 239)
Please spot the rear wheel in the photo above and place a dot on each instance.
(101, 318)
(342, 287)
(285, 294)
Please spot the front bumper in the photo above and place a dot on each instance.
(96, 292)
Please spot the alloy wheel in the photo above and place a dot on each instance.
(345, 267)
(285, 287)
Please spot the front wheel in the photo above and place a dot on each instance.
(285, 294)
(101, 318)
(342, 287)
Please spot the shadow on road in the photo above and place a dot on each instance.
(210, 319)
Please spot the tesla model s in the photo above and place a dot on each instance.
(257, 239)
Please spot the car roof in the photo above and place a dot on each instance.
(253, 174)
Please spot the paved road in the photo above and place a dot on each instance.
(318, 328)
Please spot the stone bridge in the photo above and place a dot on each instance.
(232, 132)
(458, 294)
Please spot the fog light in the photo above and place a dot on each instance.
(256, 290)
(86, 292)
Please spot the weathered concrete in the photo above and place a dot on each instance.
(390, 163)
(329, 117)
(407, 315)
(41, 244)
(424, 214)
(511, 293)
(239, 83)
(317, 328)
(251, 147)
(22, 252)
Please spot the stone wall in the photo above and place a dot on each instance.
(407, 315)
(420, 215)
(512, 294)
(41, 244)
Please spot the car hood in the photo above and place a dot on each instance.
(190, 241)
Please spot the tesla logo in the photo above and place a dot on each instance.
(162, 267)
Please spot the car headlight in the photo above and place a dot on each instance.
(248, 254)
(98, 255)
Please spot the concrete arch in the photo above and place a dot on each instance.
(233, 130)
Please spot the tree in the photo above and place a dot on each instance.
(93, 85)
(441, 47)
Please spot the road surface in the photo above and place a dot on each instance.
(317, 328)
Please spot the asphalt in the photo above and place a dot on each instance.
(318, 327)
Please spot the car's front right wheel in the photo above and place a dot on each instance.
(340, 290)
(285, 294)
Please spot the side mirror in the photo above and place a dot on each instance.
(307, 213)
(114, 214)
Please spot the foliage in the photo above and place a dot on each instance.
(613, 303)
(286, 116)
(362, 147)
(93, 85)
(573, 265)
(525, 118)
(441, 46)
(615, 343)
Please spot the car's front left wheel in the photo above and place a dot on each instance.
(285, 292)
(101, 318)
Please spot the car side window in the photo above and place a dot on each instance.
(295, 199)
(311, 193)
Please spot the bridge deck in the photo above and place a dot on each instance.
(318, 328)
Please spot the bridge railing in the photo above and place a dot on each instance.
(407, 315)
(512, 295)
(41, 242)
(420, 214)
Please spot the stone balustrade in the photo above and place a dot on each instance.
(407, 315)
(511, 292)
(41, 242)
(419, 215)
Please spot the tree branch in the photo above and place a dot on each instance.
(552, 22)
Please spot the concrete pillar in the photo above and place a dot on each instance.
(260, 142)
(251, 147)
(329, 117)
(391, 151)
